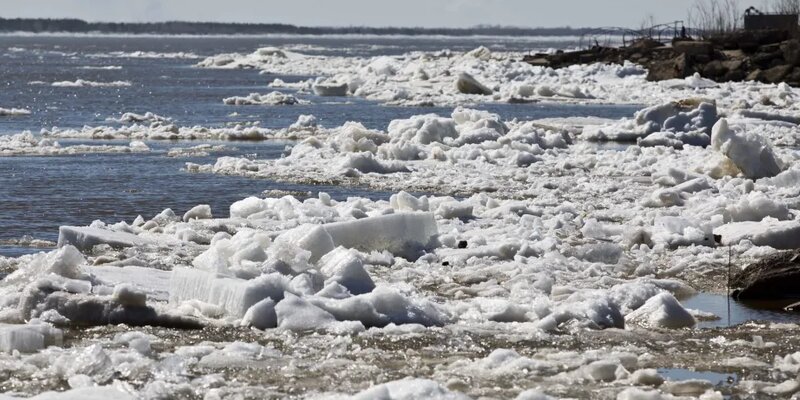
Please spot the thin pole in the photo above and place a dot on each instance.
(730, 251)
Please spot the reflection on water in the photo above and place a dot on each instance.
(682, 374)
(740, 312)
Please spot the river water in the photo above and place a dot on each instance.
(38, 194)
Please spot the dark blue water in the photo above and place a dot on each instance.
(38, 194)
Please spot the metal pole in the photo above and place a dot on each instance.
(730, 251)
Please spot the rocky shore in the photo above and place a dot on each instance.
(769, 56)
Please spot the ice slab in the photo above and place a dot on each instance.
(28, 338)
(85, 237)
(768, 232)
(661, 311)
(403, 234)
(346, 268)
(235, 295)
(155, 283)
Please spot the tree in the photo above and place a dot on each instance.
(711, 17)
(785, 6)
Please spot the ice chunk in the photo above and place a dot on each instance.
(403, 201)
(768, 232)
(261, 315)
(128, 295)
(66, 261)
(312, 238)
(86, 393)
(409, 389)
(249, 206)
(467, 84)
(751, 153)
(85, 237)
(274, 98)
(28, 338)
(328, 88)
(236, 296)
(533, 394)
(602, 370)
(382, 306)
(202, 211)
(365, 162)
(755, 207)
(661, 311)
(345, 267)
(404, 234)
(454, 209)
(297, 314)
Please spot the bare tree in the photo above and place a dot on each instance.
(784, 6)
(711, 17)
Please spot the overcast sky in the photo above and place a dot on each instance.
(426, 13)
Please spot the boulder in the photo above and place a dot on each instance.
(774, 277)
(693, 48)
(791, 52)
(674, 68)
(775, 74)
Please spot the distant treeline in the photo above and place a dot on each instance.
(217, 28)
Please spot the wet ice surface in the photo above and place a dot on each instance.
(558, 269)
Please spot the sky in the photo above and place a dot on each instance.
(406, 13)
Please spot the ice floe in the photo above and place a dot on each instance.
(26, 144)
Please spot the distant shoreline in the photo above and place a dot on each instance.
(178, 28)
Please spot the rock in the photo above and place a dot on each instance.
(676, 68)
(645, 44)
(692, 48)
(468, 85)
(793, 78)
(754, 75)
(764, 60)
(776, 74)
(714, 69)
(791, 52)
(774, 277)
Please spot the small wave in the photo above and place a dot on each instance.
(104, 67)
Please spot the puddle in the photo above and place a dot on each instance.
(720, 380)
(740, 312)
